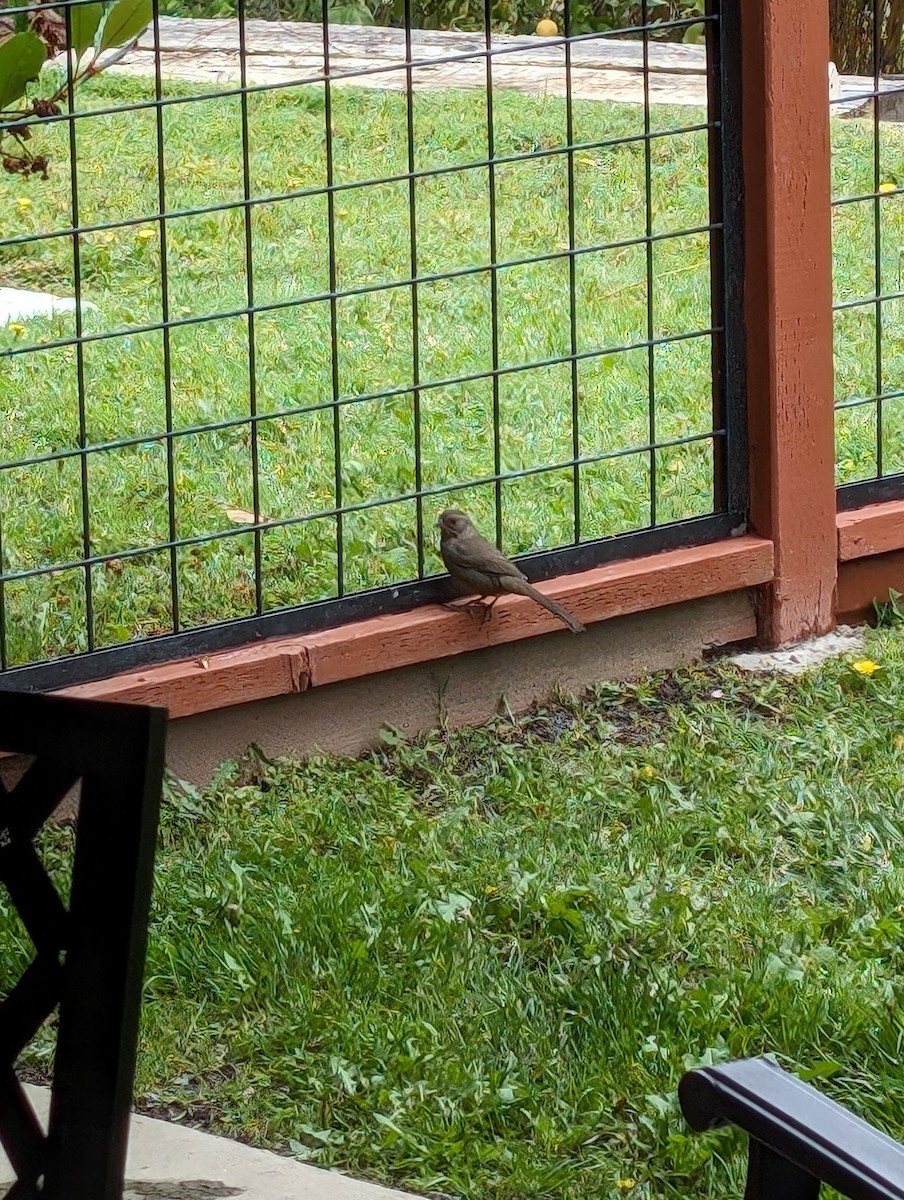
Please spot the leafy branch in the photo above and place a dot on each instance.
(29, 40)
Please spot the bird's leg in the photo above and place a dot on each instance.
(478, 604)
(486, 610)
(468, 605)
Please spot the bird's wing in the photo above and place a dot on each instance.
(474, 553)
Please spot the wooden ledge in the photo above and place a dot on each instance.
(293, 664)
(874, 529)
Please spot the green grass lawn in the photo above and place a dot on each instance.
(41, 506)
(860, 272)
(477, 965)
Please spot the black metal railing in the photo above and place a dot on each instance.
(325, 313)
(798, 1137)
(869, 300)
(86, 958)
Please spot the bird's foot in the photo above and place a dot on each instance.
(485, 610)
(472, 605)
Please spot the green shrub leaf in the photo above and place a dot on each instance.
(21, 59)
(84, 19)
(127, 20)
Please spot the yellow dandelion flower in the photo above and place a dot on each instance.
(145, 235)
(647, 771)
(23, 202)
(888, 186)
(626, 1185)
(490, 890)
(865, 666)
(16, 328)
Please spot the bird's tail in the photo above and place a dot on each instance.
(556, 609)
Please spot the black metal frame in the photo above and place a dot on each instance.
(727, 434)
(89, 959)
(726, 159)
(799, 1138)
(882, 486)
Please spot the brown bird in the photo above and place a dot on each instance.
(476, 564)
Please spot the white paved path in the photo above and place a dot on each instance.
(170, 1162)
(207, 51)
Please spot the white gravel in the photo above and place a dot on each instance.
(796, 659)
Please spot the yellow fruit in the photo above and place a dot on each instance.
(547, 27)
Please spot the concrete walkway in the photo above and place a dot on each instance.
(601, 68)
(292, 52)
(171, 1162)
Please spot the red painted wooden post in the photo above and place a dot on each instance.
(787, 309)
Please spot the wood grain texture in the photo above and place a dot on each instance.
(874, 529)
(196, 685)
(282, 665)
(788, 311)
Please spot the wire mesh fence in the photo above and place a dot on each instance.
(319, 298)
(868, 245)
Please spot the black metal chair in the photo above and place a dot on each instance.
(89, 958)
(799, 1138)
